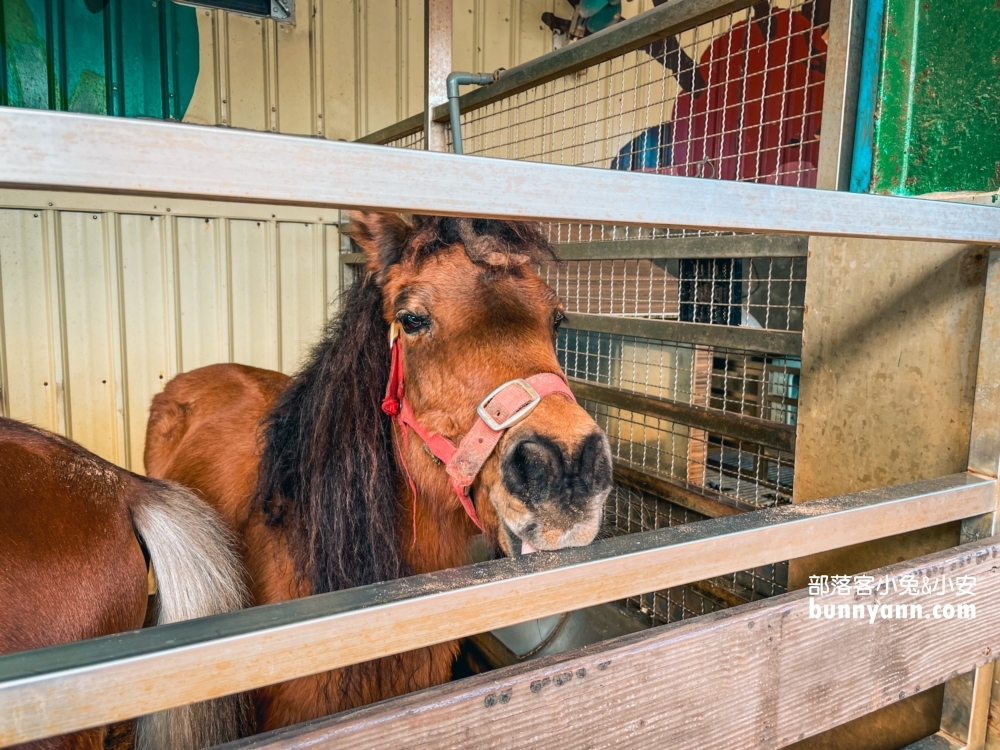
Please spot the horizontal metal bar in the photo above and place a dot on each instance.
(352, 259)
(59, 150)
(51, 691)
(787, 343)
(723, 246)
(751, 429)
(666, 20)
(672, 492)
(394, 132)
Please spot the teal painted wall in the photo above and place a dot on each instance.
(937, 115)
(131, 58)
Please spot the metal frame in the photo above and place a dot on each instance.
(437, 56)
(662, 248)
(282, 11)
(57, 150)
(764, 675)
(840, 97)
(50, 691)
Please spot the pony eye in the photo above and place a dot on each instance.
(559, 318)
(412, 323)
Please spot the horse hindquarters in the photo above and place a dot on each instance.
(197, 574)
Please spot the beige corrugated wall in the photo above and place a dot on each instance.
(105, 298)
(349, 67)
(101, 306)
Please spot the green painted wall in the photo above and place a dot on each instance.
(938, 119)
(132, 58)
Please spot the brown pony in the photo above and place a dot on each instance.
(319, 482)
(76, 533)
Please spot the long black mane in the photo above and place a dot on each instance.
(328, 472)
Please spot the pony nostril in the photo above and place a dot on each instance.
(529, 468)
(593, 463)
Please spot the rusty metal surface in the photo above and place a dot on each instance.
(890, 346)
(938, 123)
(890, 351)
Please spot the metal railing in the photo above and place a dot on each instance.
(43, 150)
(51, 691)
(667, 20)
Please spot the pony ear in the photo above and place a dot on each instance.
(381, 238)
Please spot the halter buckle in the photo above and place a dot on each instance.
(517, 416)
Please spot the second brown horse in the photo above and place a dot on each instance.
(316, 478)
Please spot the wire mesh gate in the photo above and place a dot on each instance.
(738, 97)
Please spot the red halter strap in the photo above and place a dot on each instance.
(498, 412)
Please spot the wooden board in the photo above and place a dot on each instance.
(762, 675)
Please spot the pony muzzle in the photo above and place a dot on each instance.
(553, 486)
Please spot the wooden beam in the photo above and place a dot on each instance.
(732, 425)
(723, 246)
(677, 494)
(762, 675)
(787, 343)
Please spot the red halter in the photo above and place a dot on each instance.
(498, 412)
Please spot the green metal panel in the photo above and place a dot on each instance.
(938, 117)
(132, 58)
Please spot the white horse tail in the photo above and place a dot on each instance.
(198, 573)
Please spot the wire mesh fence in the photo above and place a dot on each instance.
(754, 292)
(630, 510)
(416, 140)
(737, 98)
(735, 381)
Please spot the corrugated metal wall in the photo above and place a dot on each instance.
(103, 298)
(101, 307)
(348, 67)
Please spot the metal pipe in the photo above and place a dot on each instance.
(456, 79)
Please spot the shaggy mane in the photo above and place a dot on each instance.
(328, 473)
